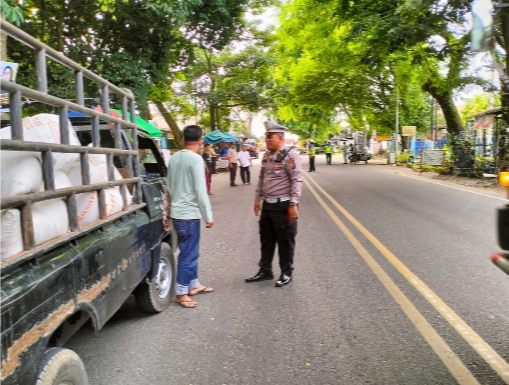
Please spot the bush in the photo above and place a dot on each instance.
(403, 158)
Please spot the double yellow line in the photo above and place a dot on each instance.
(455, 366)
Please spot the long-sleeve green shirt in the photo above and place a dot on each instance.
(188, 191)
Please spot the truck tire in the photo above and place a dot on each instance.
(61, 367)
(155, 296)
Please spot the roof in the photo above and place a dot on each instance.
(491, 111)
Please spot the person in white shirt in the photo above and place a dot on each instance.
(245, 163)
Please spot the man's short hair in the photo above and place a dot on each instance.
(192, 133)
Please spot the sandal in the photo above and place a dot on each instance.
(183, 304)
(203, 290)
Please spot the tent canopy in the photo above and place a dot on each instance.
(142, 123)
(219, 136)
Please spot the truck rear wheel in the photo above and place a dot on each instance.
(61, 367)
(155, 296)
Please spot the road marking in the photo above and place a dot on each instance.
(447, 185)
(494, 360)
(439, 346)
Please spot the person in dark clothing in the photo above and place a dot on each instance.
(207, 159)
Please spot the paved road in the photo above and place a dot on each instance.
(401, 293)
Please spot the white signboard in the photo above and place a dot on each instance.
(432, 157)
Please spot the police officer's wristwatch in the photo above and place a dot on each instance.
(293, 204)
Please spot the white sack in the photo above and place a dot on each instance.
(45, 128)
(50, 220)
(21, 173)
(88, 206)
(11, 241)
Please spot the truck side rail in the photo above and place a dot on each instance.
(16, 143)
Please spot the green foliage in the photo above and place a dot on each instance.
(133, 44)
(403, 158)
(321, 68)
(480, 103)
(354, 60)
(12, 11)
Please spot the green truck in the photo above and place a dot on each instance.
(49, 289)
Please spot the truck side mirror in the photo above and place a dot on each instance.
(503, 227)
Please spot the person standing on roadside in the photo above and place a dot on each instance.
(328, 153)
(345, 153)
(232, 163)
(245, 164)
(279, 187)
(189, 203)
(209, 170)
(311, 153)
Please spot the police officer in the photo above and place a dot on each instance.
(279, 188)
(328, 153)
(311, 153)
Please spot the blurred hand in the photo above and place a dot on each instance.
(293, 213)
(208, 225)
(256, 208)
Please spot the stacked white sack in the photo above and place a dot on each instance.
(88, 208)
(49, 217)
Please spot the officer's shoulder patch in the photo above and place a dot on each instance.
(291, 163)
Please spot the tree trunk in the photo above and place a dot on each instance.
(212, 112)
(446, 103)
(177, 135)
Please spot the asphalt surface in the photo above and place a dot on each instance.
(337, 321)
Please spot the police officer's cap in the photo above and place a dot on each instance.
(274, 128)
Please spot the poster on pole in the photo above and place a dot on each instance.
(432, 157)
(8, 71)
(408, 130)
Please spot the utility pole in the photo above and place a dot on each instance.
(396, 140)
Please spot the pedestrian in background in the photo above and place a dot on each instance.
(232, 163)
(279, 187)
(311, 153)
(189, 203)
(207, 159)
(328, 153)
(245, 164)
(345, 153)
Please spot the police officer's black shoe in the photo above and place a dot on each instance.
(283, 280)
(260, 276)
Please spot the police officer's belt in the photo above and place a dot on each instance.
(276, 200)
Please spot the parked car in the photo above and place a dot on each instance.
(252, 147)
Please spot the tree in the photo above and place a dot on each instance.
(229, 80)
(322, 69)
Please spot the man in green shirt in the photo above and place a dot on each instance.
(328, 153)
(189, 203)
(311, 153)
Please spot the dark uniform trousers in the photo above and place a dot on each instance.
(233, 173)
(312, 163)
(328, 157)
(275, 229)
